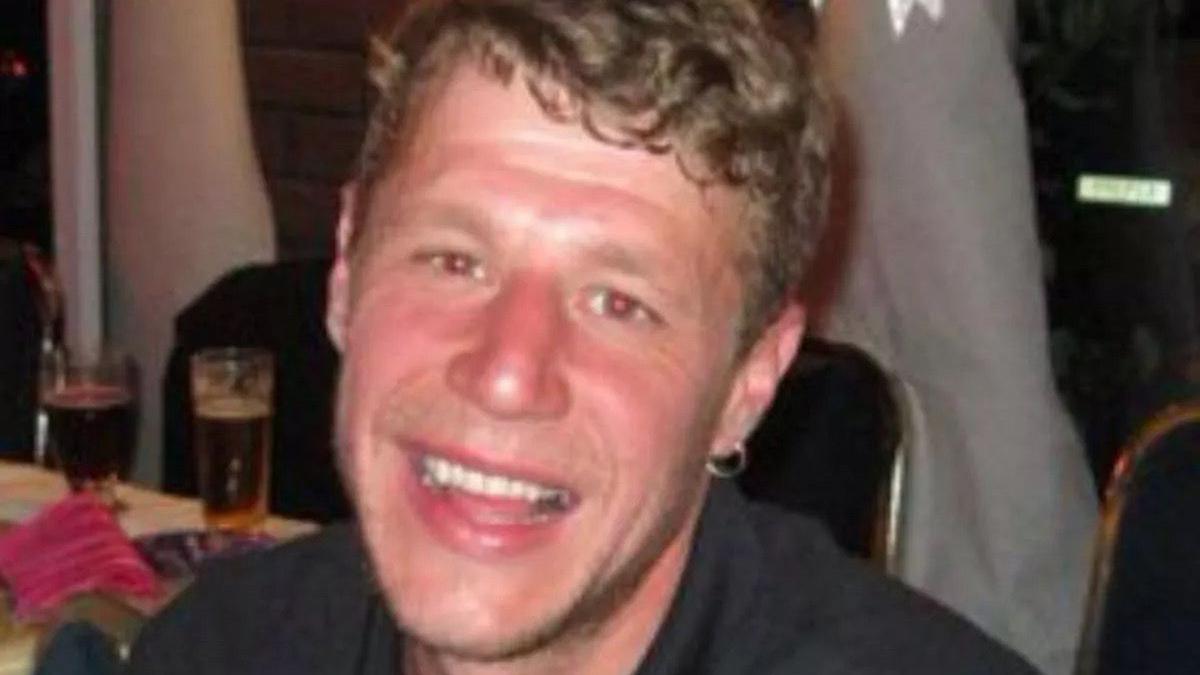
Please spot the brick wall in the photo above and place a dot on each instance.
(305, 62)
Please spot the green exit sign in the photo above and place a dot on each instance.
(1148, 193)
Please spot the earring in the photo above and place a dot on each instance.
(730, 464)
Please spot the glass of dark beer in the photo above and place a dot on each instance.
(232, 409)
(89, 402)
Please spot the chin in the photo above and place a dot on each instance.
(479, 642)
(458, 611)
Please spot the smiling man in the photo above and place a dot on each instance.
(564, 295)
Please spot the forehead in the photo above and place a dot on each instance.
(477, 137)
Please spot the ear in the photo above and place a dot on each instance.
(757, 377)
(337, 308)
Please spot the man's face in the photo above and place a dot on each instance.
(539, 347)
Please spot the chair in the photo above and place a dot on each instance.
(829, 446)
(1143, 610)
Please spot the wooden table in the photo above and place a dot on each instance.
(26, 489)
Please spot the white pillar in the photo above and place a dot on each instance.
(71, 25)
(186, 199)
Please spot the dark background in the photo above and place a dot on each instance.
(24, 164)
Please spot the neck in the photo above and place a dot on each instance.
(615, 646)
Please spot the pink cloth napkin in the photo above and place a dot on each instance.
(72, 546)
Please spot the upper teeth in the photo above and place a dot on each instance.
(443, 473)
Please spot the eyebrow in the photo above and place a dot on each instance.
(437, 214)
(620, 258)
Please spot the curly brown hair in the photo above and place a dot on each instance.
(728, 86)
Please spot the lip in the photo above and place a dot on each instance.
(476, 525)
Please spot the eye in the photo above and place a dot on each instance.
(620, 306)
(451, 263)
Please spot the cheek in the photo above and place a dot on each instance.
(657, 410)
(383, 348)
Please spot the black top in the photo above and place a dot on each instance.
(765, 592)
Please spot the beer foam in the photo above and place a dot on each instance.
(230, 408)
(89, 396)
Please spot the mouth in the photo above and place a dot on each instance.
(512, 500)
(484, 510)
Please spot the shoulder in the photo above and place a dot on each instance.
(811, 607)
(260, 611)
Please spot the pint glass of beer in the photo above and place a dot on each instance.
(91, 419)
(231, 404)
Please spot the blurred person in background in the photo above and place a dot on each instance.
(942, 284)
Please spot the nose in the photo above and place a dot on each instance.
(512, 366)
